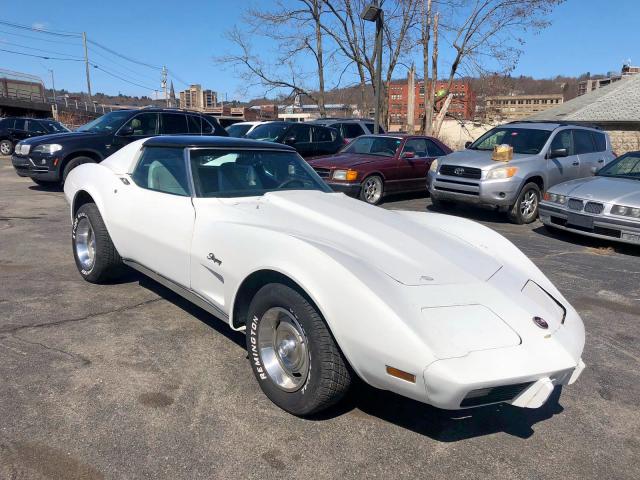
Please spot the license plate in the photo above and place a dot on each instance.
(577, 220)
(631, 237)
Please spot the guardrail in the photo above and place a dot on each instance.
(28, 95)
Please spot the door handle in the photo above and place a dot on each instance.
(601, 160)
(576, 163)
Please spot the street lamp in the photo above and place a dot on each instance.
(373, 13)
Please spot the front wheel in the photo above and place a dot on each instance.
(525, 210)
(6, 147)
(73, 163)
(372, 190)
(293, 355)
(96, 257)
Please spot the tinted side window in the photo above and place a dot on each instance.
(352, 130)
(583, 142)
(36, 127)
(208, 128)
(20, 124)
(370, 127)
(600, 141)
(321, 134)
(7, 123)
(434, 149)
(162, 170)
(302, 133)
(144, 124)
(198, 125)
(173, 123)
(563, 139)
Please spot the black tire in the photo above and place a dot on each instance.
(106, 264)
(525, 210)
(372, 190)
(73, 163)
(6, 147)
(328, 376)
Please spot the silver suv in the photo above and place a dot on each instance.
(544, 154)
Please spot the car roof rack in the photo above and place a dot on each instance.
(560, 123)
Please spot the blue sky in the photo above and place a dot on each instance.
(585, 35)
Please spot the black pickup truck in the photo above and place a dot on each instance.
(48, 159)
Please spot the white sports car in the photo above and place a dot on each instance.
(433, 307)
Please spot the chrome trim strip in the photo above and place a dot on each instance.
(184, 292)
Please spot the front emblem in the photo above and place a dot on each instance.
(459, 171)
(540, 322)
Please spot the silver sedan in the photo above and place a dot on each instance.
(606, 205)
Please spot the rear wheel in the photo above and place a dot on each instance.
(73, 163)
(6, 147)
(96, 257)
(293, 355)
(372, 189)
(525, 210)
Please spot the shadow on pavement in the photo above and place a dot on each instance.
(54, 187)
(588, 242)
(472, 212)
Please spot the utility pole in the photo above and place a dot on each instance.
(53, 85)
(373, 13)
(86, 63)
(163, 82)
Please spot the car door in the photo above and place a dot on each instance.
(152, 216)
(35, 128)
(603, 155)
(351, 130)
(586, 150)
(173, 124)
(140, 126)
(413, 164)
(19, 130)
(299, 137)
(561, 169)
(324, 140)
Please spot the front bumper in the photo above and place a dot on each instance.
(38, 166)
(350, 189)
(500, 192)
(604, 226)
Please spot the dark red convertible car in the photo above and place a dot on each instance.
(372, 166)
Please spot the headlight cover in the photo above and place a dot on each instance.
(502, 172)
(434, 166)
(47, 148)
(625, 211)
(22, 149)
(346, 175)
(555, 198)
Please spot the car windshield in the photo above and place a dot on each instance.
(383, 146)
(625, 166)
(107, 123)
(238, 129)
(523, 140)
(246, 173)
(54, 127)
(269, 131)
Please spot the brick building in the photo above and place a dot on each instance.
(462, 106)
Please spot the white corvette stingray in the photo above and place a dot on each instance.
(433, 307)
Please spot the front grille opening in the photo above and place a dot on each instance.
(575, 204)
(455, 190)
(323, 172)
(594, 207)
(558, 221)
(609, 232)
(503, 393)
(457, 171)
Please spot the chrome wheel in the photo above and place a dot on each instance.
(529, 204)
(85, 244)
(5, 147)
(372, 190)
(283, 349)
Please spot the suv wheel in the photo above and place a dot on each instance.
(372, 190)
(6, 147)
(96, 257)
(525, 210)
(293, 355)
(73, 163)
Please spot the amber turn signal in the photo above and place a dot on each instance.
(394, 372)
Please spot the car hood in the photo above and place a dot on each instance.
(410, 253)
(344, 160)
(478, 159)
(56, 137)
(623, 191)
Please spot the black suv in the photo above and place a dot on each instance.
(15, 129)
(308, 139)
(50, 158)
(349, 128)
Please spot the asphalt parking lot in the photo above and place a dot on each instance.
(130, 381)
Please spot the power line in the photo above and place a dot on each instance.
(40, 39)
(175, 77)
(39, 30)
(2, 42)
(120, 65)
(121, 78)
(113, 52)
(40, 56)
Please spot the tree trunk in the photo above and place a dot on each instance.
(434, 75)
(426, 37)
(316, 18)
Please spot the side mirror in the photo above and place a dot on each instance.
(409, 155)
(290, 140)
(467, 144)
(126, 131)
(557, 153)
